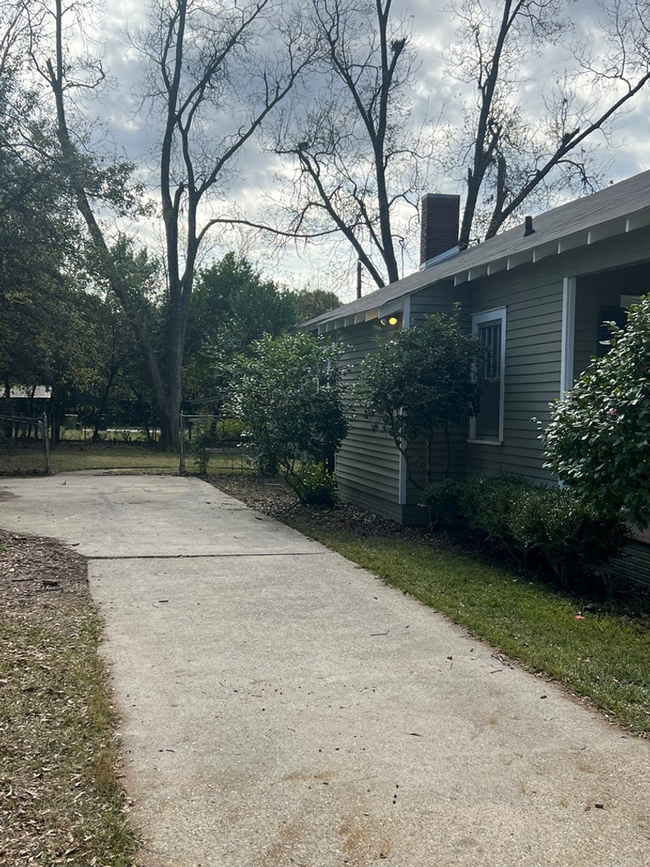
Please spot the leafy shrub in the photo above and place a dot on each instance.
(443, 500)
(289, 394)
(530, 522)
(568, 535)
(487, 505)
(316, 486)
(598, 438)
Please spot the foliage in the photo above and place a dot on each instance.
(316, 486)
(289, 393)
(310, 303)
(598, 439)
(232, 305)
(420, 380)
(529, 522)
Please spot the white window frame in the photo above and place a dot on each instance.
(478, 319)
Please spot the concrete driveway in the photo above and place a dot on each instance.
(281, 706)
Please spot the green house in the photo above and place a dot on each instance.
(537, 296)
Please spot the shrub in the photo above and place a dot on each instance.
(443, 500)
(316, 486)
(528, 521)
(289, 394)
(598, 438)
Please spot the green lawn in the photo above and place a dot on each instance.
(604, 657)
(135, 457)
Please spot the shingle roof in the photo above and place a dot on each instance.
(615, 210)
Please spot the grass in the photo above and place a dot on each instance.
(604, 657)
(134, 457)
(61, 800)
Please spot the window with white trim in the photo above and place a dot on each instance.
(490, 328)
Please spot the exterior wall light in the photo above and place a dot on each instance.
(389, 320)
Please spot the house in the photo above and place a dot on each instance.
(536, 296)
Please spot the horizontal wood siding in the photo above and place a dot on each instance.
(436, 299)
(367, 464)
(532, 295)
(533, 302)
(634, 564)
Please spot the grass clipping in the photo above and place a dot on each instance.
(60, 797)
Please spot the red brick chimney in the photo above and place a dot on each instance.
(438, 225)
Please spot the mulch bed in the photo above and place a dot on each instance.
(272, 496)
(37, 572)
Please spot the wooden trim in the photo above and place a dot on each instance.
(568, 334)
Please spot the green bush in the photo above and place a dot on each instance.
(487, 505)
(568, 535)
(529, 522)
(316, 486)
(443, 500)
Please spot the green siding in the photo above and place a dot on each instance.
(367, 464)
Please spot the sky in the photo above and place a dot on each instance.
(133, 129)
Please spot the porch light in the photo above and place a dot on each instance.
(391, 320)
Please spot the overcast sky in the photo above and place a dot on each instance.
(432, 25)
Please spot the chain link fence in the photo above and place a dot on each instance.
(212, 444)
(24, 445)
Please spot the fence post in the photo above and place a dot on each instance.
(181, 428)
(46, 441)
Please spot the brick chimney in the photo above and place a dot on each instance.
(438, 225)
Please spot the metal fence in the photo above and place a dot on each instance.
(212, 444)
(24, 444)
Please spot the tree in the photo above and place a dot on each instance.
(360, 165)
(202, 70)
(419, 381)
(310, 303)
(358, 172)
(232, 306)
(289, 394)
(598, 438)
(511, 154)
(38, 238)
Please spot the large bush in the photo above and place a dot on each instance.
(532, 523)
(598, 439)
(420, 382)
(289, 394)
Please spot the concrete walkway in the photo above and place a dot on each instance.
(281, 706)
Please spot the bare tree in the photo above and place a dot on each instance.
(208, 82)
(513, 151)
(353, 146)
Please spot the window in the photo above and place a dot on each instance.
(490, 327)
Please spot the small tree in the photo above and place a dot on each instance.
(289, 394)
(420, 381)
(598, 439)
